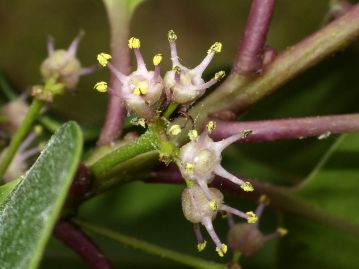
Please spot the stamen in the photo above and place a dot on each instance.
(192, 134)
(215, 48)
(211, 126)
(252, 218)
(101, 86)
(207, 222)
(121, 77)
(175, 130)
(201, 242)
(156, 61)
(134, 43)
(234, 211)
(220, 171)
(103, 58)
(172, 37)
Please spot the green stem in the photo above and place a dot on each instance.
(170, 109)
(151, 248)
(102, 169)
(31, 116)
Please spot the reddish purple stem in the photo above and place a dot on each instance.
(74, 238)
(250, 55)
(270, 130)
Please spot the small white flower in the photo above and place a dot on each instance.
(200, 161)
(142, 89)
(185, 85)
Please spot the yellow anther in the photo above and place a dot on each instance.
(211, 126)
(219, 75)
(142, 122)
(177, 69)
(101, 86)
(282, 231)
(172, 35)
(246, 133)
(141, 88)
(192, 134)
(139, 122)
(263, 199)
(157, 59)
(103, 58)
(134, 43)
(213, 205)
(201, 246)
(252, 217)
(175, 130)
(38, 129)
(247, 186)
(189, 168)
(222, 251)
(215, 48)
(140, 91)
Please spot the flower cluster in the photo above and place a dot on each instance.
(199, 162)
(144, 91)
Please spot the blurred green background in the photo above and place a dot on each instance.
(153, 212)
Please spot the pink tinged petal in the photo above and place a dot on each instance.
(87, 70)
(29, 153)
(272, 236)
(220, 171)
(139, 58)
(27, 142)
(50, 45)
(121, 77)
(221, 145)
(157, 73)
(207, 222)
(259, 210)
(207, 85)
(72, 50)
(199, 69)
(234, 211)
(174, 56)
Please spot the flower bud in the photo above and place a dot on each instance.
(14, 113)
(63, 66)
(246, 238)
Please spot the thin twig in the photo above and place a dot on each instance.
(118, 13)
(74, 238)
(250, 54)
(271, 130)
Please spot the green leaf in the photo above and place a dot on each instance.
(6, 189)
(332, 187)
(30, 211)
